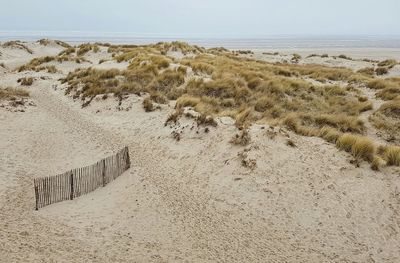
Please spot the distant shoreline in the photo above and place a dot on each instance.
(273, 42)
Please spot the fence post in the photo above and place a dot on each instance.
(104, 172)
(128, 160)
(36, 195)
(71, 197)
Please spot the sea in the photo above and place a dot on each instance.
(266, 42)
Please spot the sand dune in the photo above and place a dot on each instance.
(190, 200)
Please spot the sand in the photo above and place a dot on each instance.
(186, 201)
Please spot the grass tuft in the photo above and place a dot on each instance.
(392, 155)
(243, 138)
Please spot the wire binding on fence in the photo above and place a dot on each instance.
(80, 181)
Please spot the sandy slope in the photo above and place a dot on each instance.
(190, 200)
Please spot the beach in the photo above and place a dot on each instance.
(199, 198)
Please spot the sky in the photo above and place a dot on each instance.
(205, 18)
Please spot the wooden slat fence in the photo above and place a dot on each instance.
(80, 181)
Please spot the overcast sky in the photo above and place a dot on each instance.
(205, 18)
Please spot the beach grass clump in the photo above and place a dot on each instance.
(17, 44)
(392, 155)
(243, 138)
(158, 97)
(360, 147)
(342, 56)
(377, 163)
(387, 120)
(84, 48)
(173, 118)
(26, 81)
(67, 51)
(329, 134)
(44, 41)
(187, 101)
(378, 84)
(390, 63)
(368, 71)
(36, 62)
(167, 81)
(148, 105)
(13, 93)
(381, 71)
(296, 58)
(389, 93)
(364, 148)
(62, 43)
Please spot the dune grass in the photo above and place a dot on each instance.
(392, 155)
(13, 93)
(360, 147)
(26, 81)
(218, 82)
(17, 44)
(390, 63)
(387, 119)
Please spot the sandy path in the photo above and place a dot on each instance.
(212, 233)
(371, 131)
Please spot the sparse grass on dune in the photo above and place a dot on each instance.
(381, 71)
(62, 43)
(390, 63)
(85, 48)
(387, 119)
(344, 57)
(219, 83)
(26, 81)
(67, 51)
(45, 42)
(36, 63)
(369, 71)
(148, 105)
(392, 155)
(243, 138)
(17, 44)
(377, 163)
(360, 147)
(12, 93)
(388, 89)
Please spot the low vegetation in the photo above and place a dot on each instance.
(217, 82)
(13, 93)
(387, 120)
(17, 44)
(390, 63)
(243, 138)
(26, 81)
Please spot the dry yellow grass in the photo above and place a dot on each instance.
(392, 155)
(243, 138)
(388, 63)
(17, 44)
(360, 147)
(26, 81)
(148, 105)
(387, 119)
(219, 82)
(377, 163)
(12, 93)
